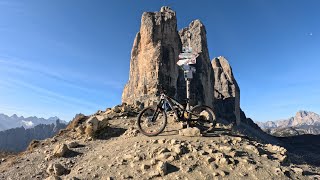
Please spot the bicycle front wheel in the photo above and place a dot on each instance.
(203, 118)
(152, 121)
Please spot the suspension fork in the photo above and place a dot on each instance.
(157, 111)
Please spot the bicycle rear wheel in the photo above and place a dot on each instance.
(203, 118)
(152, 121)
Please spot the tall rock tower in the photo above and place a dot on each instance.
(153, 66)
(227, 91)
(153, 58)
(202, 83)
(153, 61)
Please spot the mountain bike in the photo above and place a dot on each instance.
(152, 120)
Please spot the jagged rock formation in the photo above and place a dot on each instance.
(201, 84)
(294, 131)
(17, 139)
(153, 58)
(303, 122)
(226, 91)
(153, 61)
(8, 122)
(300, 119)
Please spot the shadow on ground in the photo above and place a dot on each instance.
(304, 148)
(72, 153)
(109, 132)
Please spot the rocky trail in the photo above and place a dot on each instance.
(119, 151)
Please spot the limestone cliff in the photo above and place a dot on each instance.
(153, 61)
(202, 83)
(153, 57)
(227, 91)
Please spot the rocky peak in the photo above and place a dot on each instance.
(226, 90)
(301, 118)
(14, 116)
(153, 58)
(198, 37)
(165, 9)
(302, 114)
(202, 83)
(305, 118)
(227, 86)
(17, 139)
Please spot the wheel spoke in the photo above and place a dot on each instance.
(151, 121)
(204, 117)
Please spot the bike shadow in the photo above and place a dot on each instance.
(216, 132)
(170, 132)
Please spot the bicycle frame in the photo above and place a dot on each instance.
(164, 100)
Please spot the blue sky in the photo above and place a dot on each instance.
(59, 58)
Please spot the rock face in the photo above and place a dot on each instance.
(153, 58)
(153, 61)
(202, 83)
(227, 91)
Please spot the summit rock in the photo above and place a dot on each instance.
(153, 58)
(201, 84)
(227, 91)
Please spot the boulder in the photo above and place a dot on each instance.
(93, 125)
(61, 150)
(73, 144)
(191, 132)
(116, 109)
(57, 169)
(162, 168)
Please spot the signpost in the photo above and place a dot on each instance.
(187, 58)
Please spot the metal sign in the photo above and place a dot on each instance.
(186, 67)
(186, 61)
(187, 56)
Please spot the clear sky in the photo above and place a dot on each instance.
(59, 58)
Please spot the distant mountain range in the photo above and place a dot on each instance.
(17, 139)
(8, 122)
(304, 122)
